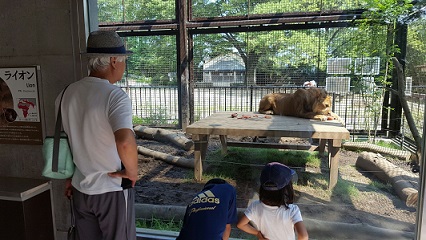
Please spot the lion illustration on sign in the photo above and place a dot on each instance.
(7, 111)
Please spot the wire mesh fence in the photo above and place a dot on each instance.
(156, 63)
(121, 11)
(213, 8)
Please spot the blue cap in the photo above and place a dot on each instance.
(275, 176)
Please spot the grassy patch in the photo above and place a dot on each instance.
(316, 184)
(313, 180)
(377, 185)
(246, 163)
(387, 144)
(345, 190)
(158, 224)
(382, 143)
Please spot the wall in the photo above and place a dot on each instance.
(49, 34)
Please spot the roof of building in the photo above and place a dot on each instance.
(230, 62)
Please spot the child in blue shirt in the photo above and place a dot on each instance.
(210, 214)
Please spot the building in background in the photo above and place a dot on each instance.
(224, 71)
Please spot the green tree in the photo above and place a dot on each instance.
(135, 10)
(279, 49)
(154, 59)
(416, 49)
(110, 11)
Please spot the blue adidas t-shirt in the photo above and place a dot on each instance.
(209, 212)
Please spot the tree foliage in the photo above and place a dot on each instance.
(135, 10)
(153, 61)
(416, 50)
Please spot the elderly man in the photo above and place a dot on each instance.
(97, 117)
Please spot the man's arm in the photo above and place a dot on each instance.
(127, 150)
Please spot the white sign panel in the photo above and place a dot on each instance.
(19, 106)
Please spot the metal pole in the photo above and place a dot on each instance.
(420, 224)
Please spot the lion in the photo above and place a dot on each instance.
(311, 103)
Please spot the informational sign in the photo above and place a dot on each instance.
(20, 106)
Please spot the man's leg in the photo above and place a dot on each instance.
(115, 211)
(108, 216)
(86, 223)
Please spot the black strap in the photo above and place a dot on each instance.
(57, 136)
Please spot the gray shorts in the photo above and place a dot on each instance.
(107, 216)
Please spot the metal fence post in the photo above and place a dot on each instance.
(251, 98)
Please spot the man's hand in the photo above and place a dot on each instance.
(68, 188)
(124, 174)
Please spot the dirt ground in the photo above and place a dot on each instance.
(164, 184)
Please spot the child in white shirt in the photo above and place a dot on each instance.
(274, 216)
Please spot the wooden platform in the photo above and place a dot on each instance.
(254, 124)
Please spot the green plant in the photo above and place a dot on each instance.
(138, 121)
(160, 117)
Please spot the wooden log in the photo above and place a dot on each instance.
(178, 161)
(369, 147)
(272, 145)
(165, 136)
(404, 182)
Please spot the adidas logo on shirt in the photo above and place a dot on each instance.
(205, 197)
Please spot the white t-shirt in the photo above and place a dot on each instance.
(92, 110)
(275, 223)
